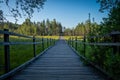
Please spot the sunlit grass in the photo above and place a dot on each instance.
(49, 37)
(73, 37)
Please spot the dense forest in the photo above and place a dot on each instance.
(34, 28)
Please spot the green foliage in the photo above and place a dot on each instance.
(107, 4)
(8, 25)
(102, 56)
(42, 28)
(112, 22)
(68, 32)
(1, 16)
(79, 30)
(27, 28)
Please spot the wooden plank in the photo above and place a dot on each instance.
(58, 63)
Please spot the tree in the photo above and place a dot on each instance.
(79, 30)
(107, 4)
(48, 26)
(27, 28)
(38, 28)
(1, 16)
(22, 7)
(67, 32)
(43, 28)
(112, 22)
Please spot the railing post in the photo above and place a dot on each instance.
(72, 42)
(68, 41)
(115, 38)
(7, 52)
(47, 42)
(76, 42)
(34, 47)
(84, 46)
(50, 41)
(54, 41)
(42, 44)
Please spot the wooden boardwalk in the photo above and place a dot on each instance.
(58, 63)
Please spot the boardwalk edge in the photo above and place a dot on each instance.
(21, 67)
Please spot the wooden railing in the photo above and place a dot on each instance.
(6, 43)
(93, 41)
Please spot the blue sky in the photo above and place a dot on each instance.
(68, 12)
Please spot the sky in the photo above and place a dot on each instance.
(68, 12)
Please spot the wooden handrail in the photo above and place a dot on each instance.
(106, 35)
(14, 34)
(7, 44)
(19, 43)
(98, 43)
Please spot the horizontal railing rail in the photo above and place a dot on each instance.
(13, 34)
(99, 44)
(19, 43)
(7, 43)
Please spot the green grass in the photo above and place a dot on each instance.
(68, 37)
(52, 37)
(19, 54)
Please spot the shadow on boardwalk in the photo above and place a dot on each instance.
(58, 63)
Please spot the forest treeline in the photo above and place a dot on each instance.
(48, 28)
(42, 28)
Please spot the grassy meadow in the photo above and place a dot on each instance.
(21, 53)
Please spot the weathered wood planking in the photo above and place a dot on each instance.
(58, 63)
